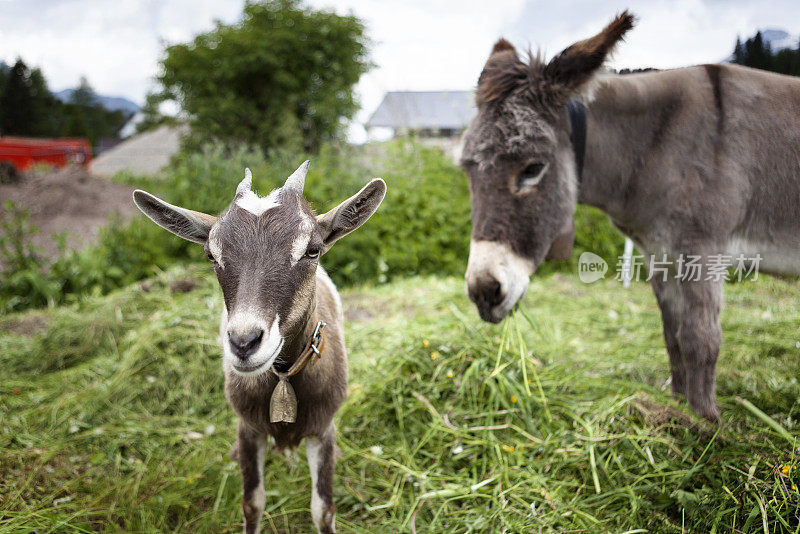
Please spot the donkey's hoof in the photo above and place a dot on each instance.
(707, 411)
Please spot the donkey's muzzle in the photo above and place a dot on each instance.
(487, 294)
(497, 278)
(243, 345)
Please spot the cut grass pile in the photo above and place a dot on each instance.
(112, 416)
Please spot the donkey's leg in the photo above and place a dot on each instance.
(252, 447)
(321, 452)
(670, 300)
(699, 338)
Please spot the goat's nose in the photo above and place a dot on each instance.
(486, 292)
(243, 345)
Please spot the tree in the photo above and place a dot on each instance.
(758, 54)
(26, 105)
(738, 52)
(151, 113)
(83, 95)
(283, 76)
(84, 116)
(28, 108)
(3, 75)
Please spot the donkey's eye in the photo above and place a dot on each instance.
(531, 175)
(313, 252)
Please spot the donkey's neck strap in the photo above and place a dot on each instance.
(577, 120)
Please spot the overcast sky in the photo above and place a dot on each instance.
(417, 44)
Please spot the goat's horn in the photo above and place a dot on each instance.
(298, 178)
(246, 184)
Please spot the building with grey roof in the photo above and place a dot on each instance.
(425, 113)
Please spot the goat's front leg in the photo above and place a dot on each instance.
(699, 337)
(252, 447)
(321, 452)
(670, 301)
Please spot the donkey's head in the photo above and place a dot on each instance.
(265, 252)
(521, 165)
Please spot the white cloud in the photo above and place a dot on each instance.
(115, 45)
(417, 44)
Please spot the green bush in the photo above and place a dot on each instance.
(422, 227)
(25, 282)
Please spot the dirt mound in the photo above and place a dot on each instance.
(67, 200)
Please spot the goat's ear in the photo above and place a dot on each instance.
(190, 225)
(576, 65)
(351, 213)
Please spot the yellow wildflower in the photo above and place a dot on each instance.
(426, 343)
(435, 354)
(786, 469)
(508, 448)
(513, 399)
(449, 374)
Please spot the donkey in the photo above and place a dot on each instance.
(282, 328)
(699, 161)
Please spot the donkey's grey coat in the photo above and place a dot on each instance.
(696, 161)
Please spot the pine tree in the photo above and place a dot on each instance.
(3, 77)
(83, 95)
(16, 102)
(738, 52)
(45, 108)
(757, 53)
(26, 105)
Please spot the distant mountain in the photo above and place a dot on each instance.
(112, 103)
(779, 39)
(776, 38)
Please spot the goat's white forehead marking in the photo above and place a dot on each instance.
(214, 245)
(300, 243)
(255, 204)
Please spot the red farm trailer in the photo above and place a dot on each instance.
(23, 152)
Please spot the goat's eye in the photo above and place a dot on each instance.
(531, 175)
(211, 257)
(312, 252)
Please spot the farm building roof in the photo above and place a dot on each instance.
(424, 109)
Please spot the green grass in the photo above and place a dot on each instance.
(112, 416)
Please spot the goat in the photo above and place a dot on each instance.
(281, 312)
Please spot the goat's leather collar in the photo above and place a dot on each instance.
(577, 120)
(283, 403)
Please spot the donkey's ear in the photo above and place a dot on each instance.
(502, 46)
(351, 213)
(502, 73)
(188, 224)
(576, 65)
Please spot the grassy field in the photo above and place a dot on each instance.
(112, 416)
